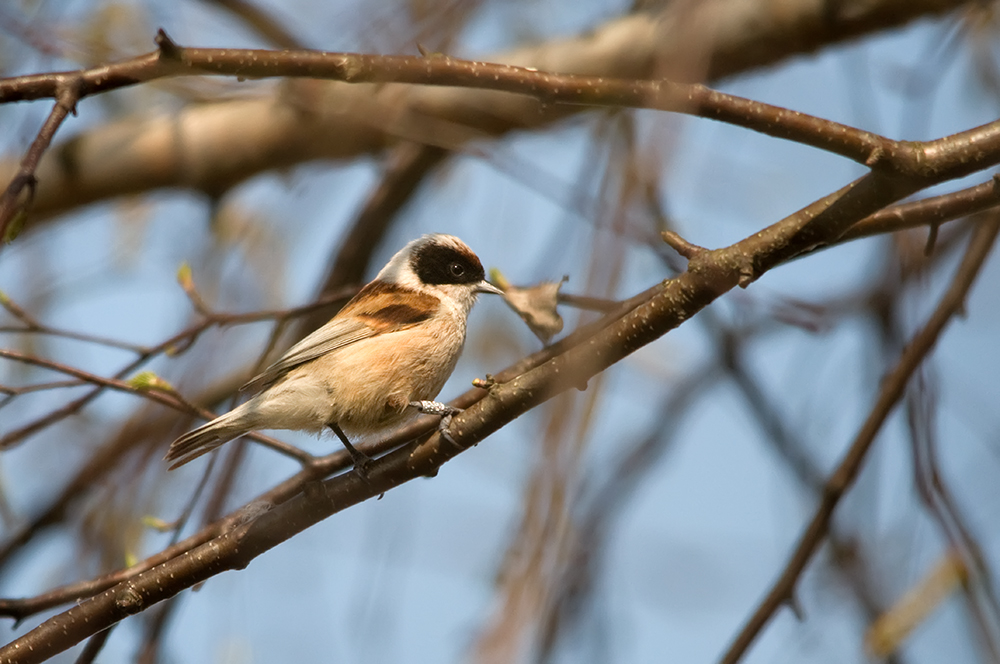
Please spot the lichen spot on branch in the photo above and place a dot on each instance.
(351, 68)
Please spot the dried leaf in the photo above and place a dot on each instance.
(536, 305)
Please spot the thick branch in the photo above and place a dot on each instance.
(212, 147)
(546, 87)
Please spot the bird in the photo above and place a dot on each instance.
(383, 357)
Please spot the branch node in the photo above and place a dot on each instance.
(167, 46)
(793, 603)
(484, 383)
(129, 600)
(682, 246)
(26, 181)
(69, 90)
(932, 235)
(747, 273)
(874, 157)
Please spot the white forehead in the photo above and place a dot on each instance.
(398, 269)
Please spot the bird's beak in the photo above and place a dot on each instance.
(486, 287)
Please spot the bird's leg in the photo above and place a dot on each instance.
(361, 460)
(445, 411)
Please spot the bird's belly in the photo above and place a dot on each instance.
(368, 385)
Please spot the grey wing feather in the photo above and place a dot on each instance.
(338, 333)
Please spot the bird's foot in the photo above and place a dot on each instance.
(362, 462)
(445, 411)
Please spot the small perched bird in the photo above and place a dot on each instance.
(389, 350)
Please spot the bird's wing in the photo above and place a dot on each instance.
(377, 309)
(335, 334)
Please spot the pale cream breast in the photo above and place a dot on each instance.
(368, 385)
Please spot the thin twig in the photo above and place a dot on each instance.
(931, 211)
(67, 91)
(921, 404)
(172, 399)
(94, 646)
(588, 303)
(174, 345)
(33, 326)
(604, 501)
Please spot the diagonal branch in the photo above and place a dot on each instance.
(893, 387)
(68, 90)
(932, 211)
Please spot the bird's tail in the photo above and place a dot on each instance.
(209, 436)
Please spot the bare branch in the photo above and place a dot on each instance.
(893, 387)
(297, 125)
(928, 211)
(864, 147)
(174, 345)
(67, 91)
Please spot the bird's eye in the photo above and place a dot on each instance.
(456, 270)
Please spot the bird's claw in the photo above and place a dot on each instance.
(445, 411)
(443, 427)
(435, 408)
(362, 464)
